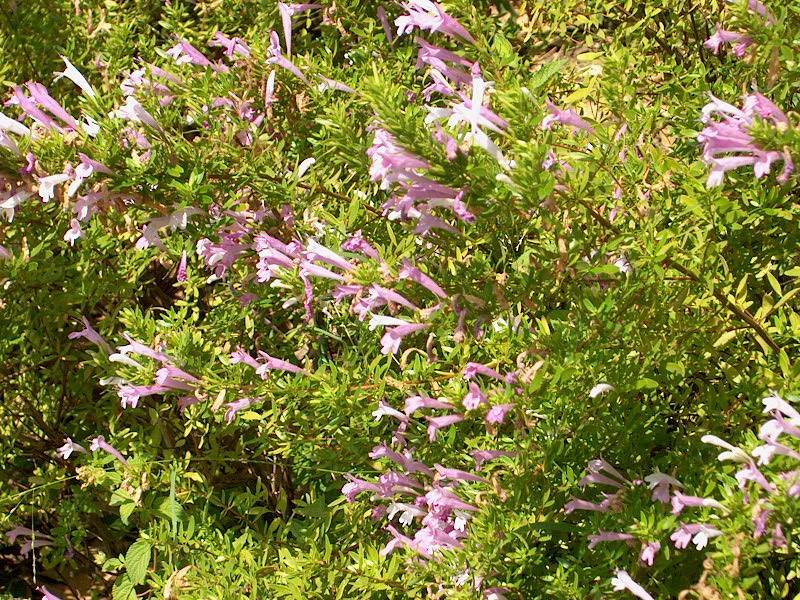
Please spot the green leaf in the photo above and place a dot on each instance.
(123, 588)
(137, 560)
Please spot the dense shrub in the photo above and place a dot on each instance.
(402, 300)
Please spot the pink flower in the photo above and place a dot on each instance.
(287, 11)
(609, 536)
(135, 113)
(46, 594)
(482, 456)
(565, 117)
(497, 414)
(475, 397)
(356, 486)
(414, 403)
(649, 551)
(429, 16)
(357, 243)
(697, 533)
(622, 581)
(409, 271)
(236, 406)
(232, 46)
(680, 501)
(184, 53)
(609, 502)
(74, 232)
(40, 95)
(390, 342)
(89, 334)
(660, 484)
(457, 474)
(727, 142)
(404, 460)
(68, 448)
(472, 369)
(182, 276)
(275, 364)
(437, 423)
(99, 443)
(385, 409)
(722, 36)
(276, 58)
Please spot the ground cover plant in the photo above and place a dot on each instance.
(491, 299)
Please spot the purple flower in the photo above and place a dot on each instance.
(405, 461)
(30, 108)
(409, 271)
(414, 403)
(760, 518)
(134, 347)
(497, 414)
(68, 448)
(722, 36)
(237, 405)
(385, 409)
(131, 394)
(429, 16)
(648, 553)
(5, 253)
(437, 423)
(565, 117)
(357, 243)
(356, 486)
(390, 296)
(184, 53)
(622, 581)
(308, 268)
(728, 144)
(481, 456)
(232, 46)
(440, 498)
(472, 369)
(182, 276)
(660, 484)
(387, 28)
(99, 443)
(475, 397)
(606, 505)
(276, 58)
(609, 536)
(457, 474)
(681, 501)
(778, 540)
(390, 162)
(74, 232)
(46, 594)
(287, 11)
(698, 534)
(390, 342)
(40, 95)
(751, 473)
(89, 333)
(275, 364)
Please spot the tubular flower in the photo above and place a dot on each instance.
(660, 484)
(740, 41)
(99, 443)
(287, 11)
(429, 16)
(728, 144)
(276, 58)
(76, 77)
(88, 333)
(437, 423)
(232, 46)
(622, 581)
(609, 536)
(68, 448)
(566, 117)
(681, 501)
